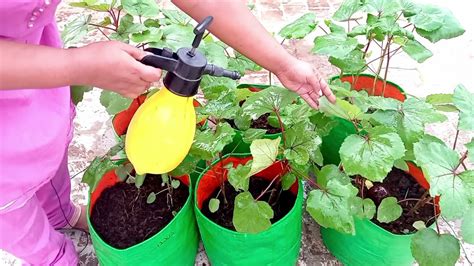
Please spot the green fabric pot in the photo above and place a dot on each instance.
(332, 142)
(279, 245)
(176, 244)
(372, 245)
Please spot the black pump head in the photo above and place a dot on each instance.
(186, 66)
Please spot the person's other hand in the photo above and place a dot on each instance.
(305, 80)
(113, 66)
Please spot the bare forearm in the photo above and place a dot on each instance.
(34, 66)
(235, 25)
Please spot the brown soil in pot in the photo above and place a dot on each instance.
(223, 216)
(261, 123)
(123, 218)
(402, 186)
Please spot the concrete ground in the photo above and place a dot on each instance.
(451, 64)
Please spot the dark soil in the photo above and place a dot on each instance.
(261, 123)
(402, 186)
(223, 216)
(122, 217)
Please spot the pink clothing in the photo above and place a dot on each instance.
(35, 130)
(35, 123)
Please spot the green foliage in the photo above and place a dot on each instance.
(145, 8)
(214, 205)
(440, 166)
(208, 143)
(337, 45)
(467, 227)
(267, 101)
(113, 102)
(94, 172)
(363, 208)
(302, 144)
(442, 102)
(416, 50)
(430, 248)
(464, 101)
(264, 153)
(151, 198)
(347, 9)
(77, 93)
(470, 149)
(299, 28)
(331, 206)
(373, 155)
(75, 30)
(434, 23)
(239, 177)
(250, 215)
(389, 210)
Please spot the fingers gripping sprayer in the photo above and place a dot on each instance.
(162, 130)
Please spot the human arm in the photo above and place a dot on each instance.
(235, 25)
(107, 65)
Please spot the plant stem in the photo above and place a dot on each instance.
(222, 178)
(314, 184)
(382, 53)
(386, 67)
(421, 202)
(269, 78)
(456, 139)
(100, 26)
(277, 112)
(267, 188)
(367, 48)
(463, 157)
(103, 33)
(323, 29)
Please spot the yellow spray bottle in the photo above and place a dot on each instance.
(162, 130)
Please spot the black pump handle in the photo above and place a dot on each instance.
(199, 32)
(161, 58)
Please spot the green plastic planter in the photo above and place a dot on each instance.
(373, 245)
(176, 244)
(279, 245)
(332, 142)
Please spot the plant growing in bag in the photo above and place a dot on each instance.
(134, 207)
(372, 32)
(145, 25)
(371, 181)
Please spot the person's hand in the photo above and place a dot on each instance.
(113, 66)
(305, 80)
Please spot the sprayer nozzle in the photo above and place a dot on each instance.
(216, 71)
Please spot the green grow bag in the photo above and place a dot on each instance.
(332, 142)
(372, 245)
(176, 244)
(278, 245)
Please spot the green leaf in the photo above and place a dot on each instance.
(239, 176)
(470, 149)
(299, 28)
(251, 216)
(341, 108)
(242, 64)
(75, 30)
(464, 101)
(123, 171)
(301, 144)
(252, 134)
(334, 28)
(358, 30)
(389, 210)
(429, 248)
(383, 6)
(151, 198)
(450, 27)
(214, 204)
(439, 164)
(268, 100)
(176, 16)
(442, 102)
(347, 9)
(363, 208)
(77, 93)
(187, 166)
(91, 6)
(401, 164)
(419, 225)
(145, 8)
(323, 124)
(337, 45)
(416, 51)
(428, 18)
(175, 183)
(467, 226)
(208, 143)
(114, 103)
(264, 153)
(288, 180)
(96, 170)
(371, 156)
(353, 62)
(176, 36)
(214, 53)
(139, 179)
(332, 208)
